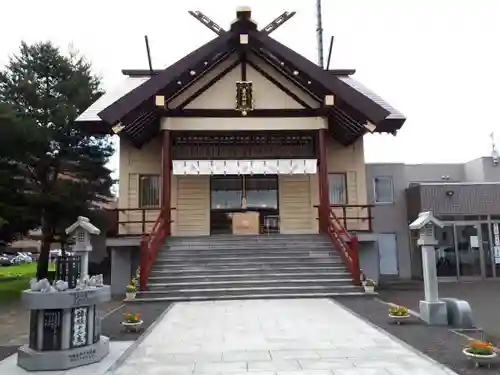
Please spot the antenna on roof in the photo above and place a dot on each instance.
(319, 31)
(495, 156)
(149, 54)
(329, 53)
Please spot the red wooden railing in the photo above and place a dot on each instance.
(359, 220)
(150, 244)
(343, 241)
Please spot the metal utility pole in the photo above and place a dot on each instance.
(319, 34)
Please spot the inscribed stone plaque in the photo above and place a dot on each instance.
(52, 329)
(79, 326)
(83, 355)
(33, 330)
(68, 268)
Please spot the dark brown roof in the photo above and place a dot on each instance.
(148, 89)
(354, 103)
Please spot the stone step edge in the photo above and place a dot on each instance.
(155, 269)
(221, 266)
(243, 275)
(248, 257)
(265, 281)
(242, 245)
(251, 296)
(242, 289)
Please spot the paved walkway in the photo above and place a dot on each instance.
(266, 337)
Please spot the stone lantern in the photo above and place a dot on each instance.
(82, 230)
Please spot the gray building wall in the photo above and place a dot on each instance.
(391, 217)
(394, 218)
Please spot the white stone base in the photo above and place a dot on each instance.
(434, 313)
(116, 348)
(32, 360)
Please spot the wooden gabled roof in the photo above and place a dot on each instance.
(355, 105)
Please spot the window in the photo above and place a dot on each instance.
(337, 184)
(149, 191)
(383, 189)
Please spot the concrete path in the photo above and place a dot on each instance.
(266, 337)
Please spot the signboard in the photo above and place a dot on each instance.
(52, 329)
(79, 326)
(496, 250)
(68, 268)
(496, 243)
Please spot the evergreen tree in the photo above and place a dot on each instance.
(65, 166)
(16, 135)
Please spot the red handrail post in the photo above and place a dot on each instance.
(356, 273)
(144, 263)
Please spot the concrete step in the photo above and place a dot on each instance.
(247, 263)
(245, 291)
(235, 267)
(218, 284)
(246, 258)
(287, 238)
(305, 294)
(264, 275)
(255, 270)
(243, 245)
(249, 251)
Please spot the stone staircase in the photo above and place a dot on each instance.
(245, 267)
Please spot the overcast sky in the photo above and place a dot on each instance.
(437, 61)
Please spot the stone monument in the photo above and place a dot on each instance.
(432, 310)
(64, 321)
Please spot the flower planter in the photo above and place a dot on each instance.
(130, 295)
(480, 360)
(398, 318)
(370, 289)
(132, 326)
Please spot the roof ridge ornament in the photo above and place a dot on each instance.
(207, 21)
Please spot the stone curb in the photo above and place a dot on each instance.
(128, 352)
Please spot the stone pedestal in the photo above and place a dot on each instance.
(432, 310)
(434, 313)
(65, 329)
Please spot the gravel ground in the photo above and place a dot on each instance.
(483, 297)
(439, 343)
(111, 325)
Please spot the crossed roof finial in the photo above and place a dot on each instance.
(242, 13)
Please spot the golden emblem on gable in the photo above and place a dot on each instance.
(244, 97)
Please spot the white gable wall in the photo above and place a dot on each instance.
(222, 95)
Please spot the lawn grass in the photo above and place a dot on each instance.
(11, 289)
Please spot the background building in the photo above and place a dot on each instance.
(465, 196)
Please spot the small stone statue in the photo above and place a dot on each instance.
(60, 285)
(45, 286)
(92, 282)
(85, 282)
(35, 285)
(99, 281)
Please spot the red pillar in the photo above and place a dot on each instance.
(324, 195)
(166, 174)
